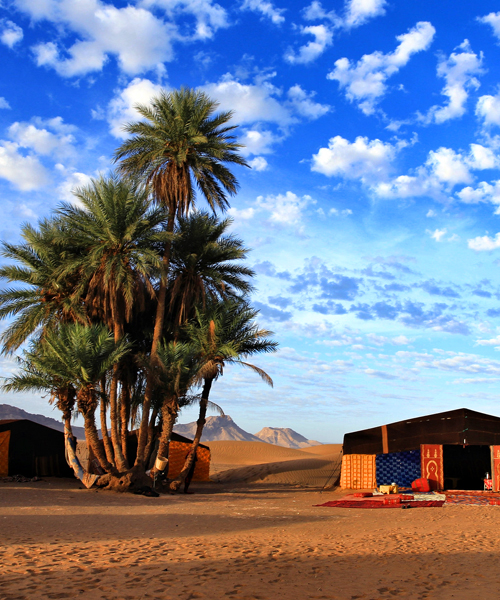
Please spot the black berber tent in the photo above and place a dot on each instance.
(30, 449)
(457, 449)
(454, 427)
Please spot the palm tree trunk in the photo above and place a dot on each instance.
(157, 334)
(175, 485)
(125, 416)
(149, 445)
(120, 460)
(105, 437)
(87, 404)
(169, 411)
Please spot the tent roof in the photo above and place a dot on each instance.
(460, 426)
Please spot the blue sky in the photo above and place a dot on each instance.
(372, 208)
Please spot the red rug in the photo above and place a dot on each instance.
(378, 502)
(374, 504)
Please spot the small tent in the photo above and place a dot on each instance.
(453, 449)
(30, 449)
(178, 449)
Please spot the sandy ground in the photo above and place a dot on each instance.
(255, 541)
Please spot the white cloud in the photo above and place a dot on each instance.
(323, 38)
(490, 342)
(138, 39)
(458, 71)
(285, 209)
(72, 181)
(448, 166)
(380, 340)
(488, 108)
(363, 159)
(315, 11)
(443, 170)
(257, 142)
(303, 103)
(484, 192)
(259, 163)
(335, 212)
(10, 33)
(251, 103)
(437, 234)
(430, 213)
(4, 103)
(24, 172)
(245, 214)
(492, 19)
(208, 16)
(365, 81)
(484, 243)
(357, 12)
(265, 8)
(121, 108)
(41, 140)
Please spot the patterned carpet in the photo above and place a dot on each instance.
(470, 498)
(352, 501)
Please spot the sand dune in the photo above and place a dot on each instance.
(256, 462)
(323, 449)
(250, 453)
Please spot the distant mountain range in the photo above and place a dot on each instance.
(216, 429)
(284, 436)
(225, 429)
(12, 412)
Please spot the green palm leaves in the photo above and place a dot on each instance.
(182, 145)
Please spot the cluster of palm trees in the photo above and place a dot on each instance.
(131, 300)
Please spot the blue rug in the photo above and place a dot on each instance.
(398, 467)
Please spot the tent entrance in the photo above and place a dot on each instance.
(465, 467)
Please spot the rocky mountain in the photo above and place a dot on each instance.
(12, 412)
(284, 436)
(225, 429)
(217, 429)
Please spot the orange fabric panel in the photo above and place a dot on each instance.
(495, 467)
(177, 458)
(358, 472)
(431, 457)
(4, 453)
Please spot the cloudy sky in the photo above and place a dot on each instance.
(373, 202)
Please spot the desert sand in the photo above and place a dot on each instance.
(248, 541)
(252, 462)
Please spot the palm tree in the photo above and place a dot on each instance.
(176, 370)
(224, 334)
(116, 235)
(45, 300)
(181, 145)
(205, 265)
(78, 356)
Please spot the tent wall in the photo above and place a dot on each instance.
(461, 426)
(34, 450)
(495, 467)
(177, 458)
(4, 453)
(178, 448)
(358, 472)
